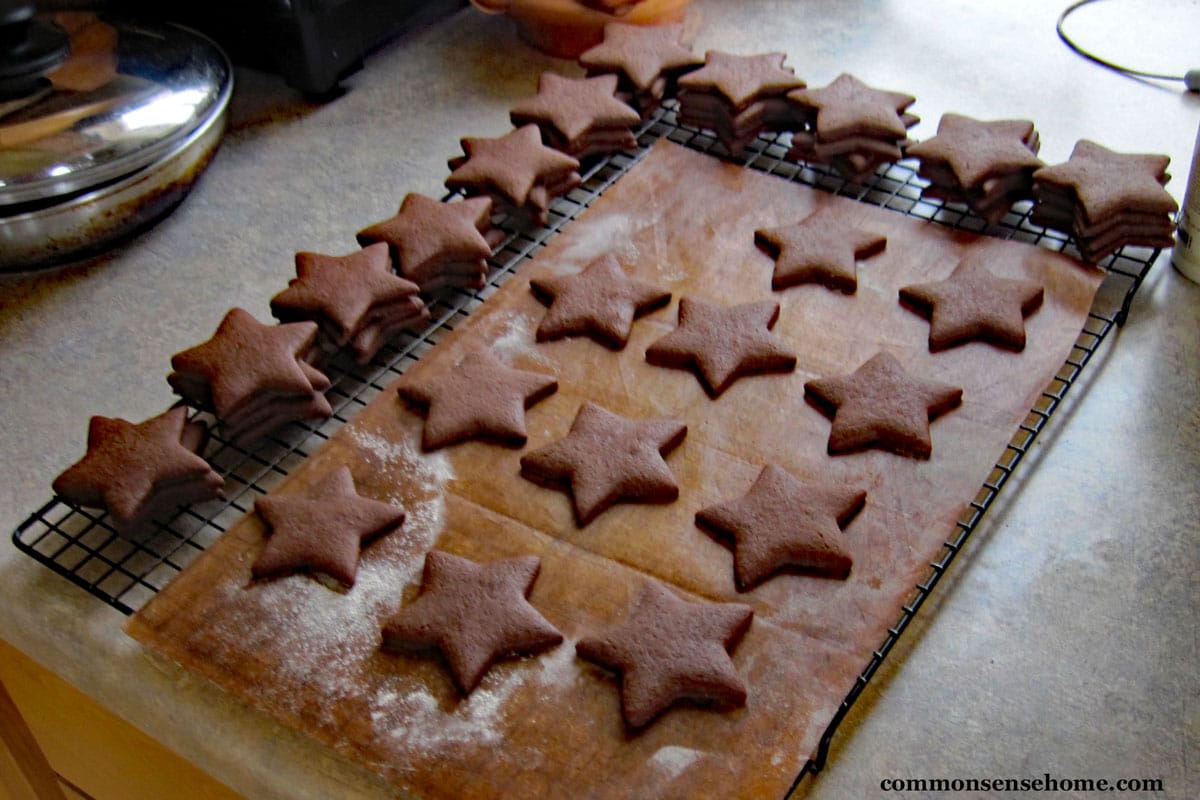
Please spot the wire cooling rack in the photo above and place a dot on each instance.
(82, 546)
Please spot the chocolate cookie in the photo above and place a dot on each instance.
(781, 523)
(321, 531)
(974, 305)
(255, 378)
(822, 248)
(474, 614)
(1106, 199)
(356, 299)
(607, 459)
(480, 397)
(647, 60)
(853, 127)
(581, 117)
(671, 650)
(987, 165)
(881, 405)
(436, 244)
(723, 343)
(516, 170)
(601, 301)
(739, 97)
(135, 471)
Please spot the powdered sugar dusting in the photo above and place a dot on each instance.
(516, 339)
(385, 698)
(559, 668)
(431, 470)
(672, 273)
(414, 719)
(425, 726)
(611, 233)
(323, 637)
(421, 474)
(674, 760)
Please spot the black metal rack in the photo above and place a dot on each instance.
(82, 546)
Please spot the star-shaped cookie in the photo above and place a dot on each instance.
(245, 359)
(849, 107)
(742, 79)
(128, 465)
(670, 650)
(480, 397)
(881, 405)
(601, 301)
(606, 459)
(822, 248)
(782, 523)
(975, 305)
(1107, 182)
(723, 343)
(322, 531)
(580, 116)
(349, 296)
(475, 614)
(976, 150)
(426, 235)
(644, 57)
(517, 167)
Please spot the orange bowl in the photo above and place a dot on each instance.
(565, 28)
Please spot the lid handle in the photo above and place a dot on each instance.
(29, 48)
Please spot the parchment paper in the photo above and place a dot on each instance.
(550, 726)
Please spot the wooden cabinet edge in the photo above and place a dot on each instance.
(92, 748)
(26, 775)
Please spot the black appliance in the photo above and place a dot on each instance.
(311, 43)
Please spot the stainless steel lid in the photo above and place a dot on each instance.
(128, 96)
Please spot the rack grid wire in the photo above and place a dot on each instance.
(82, 546)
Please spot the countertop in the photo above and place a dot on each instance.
(1063, 643)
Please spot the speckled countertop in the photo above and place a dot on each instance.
(1064, 643)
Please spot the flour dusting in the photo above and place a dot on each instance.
(558, 668)
(431, 470)
(312, 635)
(674, 760)
(425, 474)
(671, 273)
(612, 233)
(517, 339)
(322, 636)
(414, 719)
(426, 726)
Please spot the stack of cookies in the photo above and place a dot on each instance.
(1106, 200)
(647, 60)
(986, 165)
(254, 378)
(519, 172)
(138, 471)
(851, 126)
(580, 116)
(436, 244)
(739, 97)
(356, 300)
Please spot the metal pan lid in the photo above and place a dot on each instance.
(126, 97)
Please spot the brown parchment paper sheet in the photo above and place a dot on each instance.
(551, 725)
